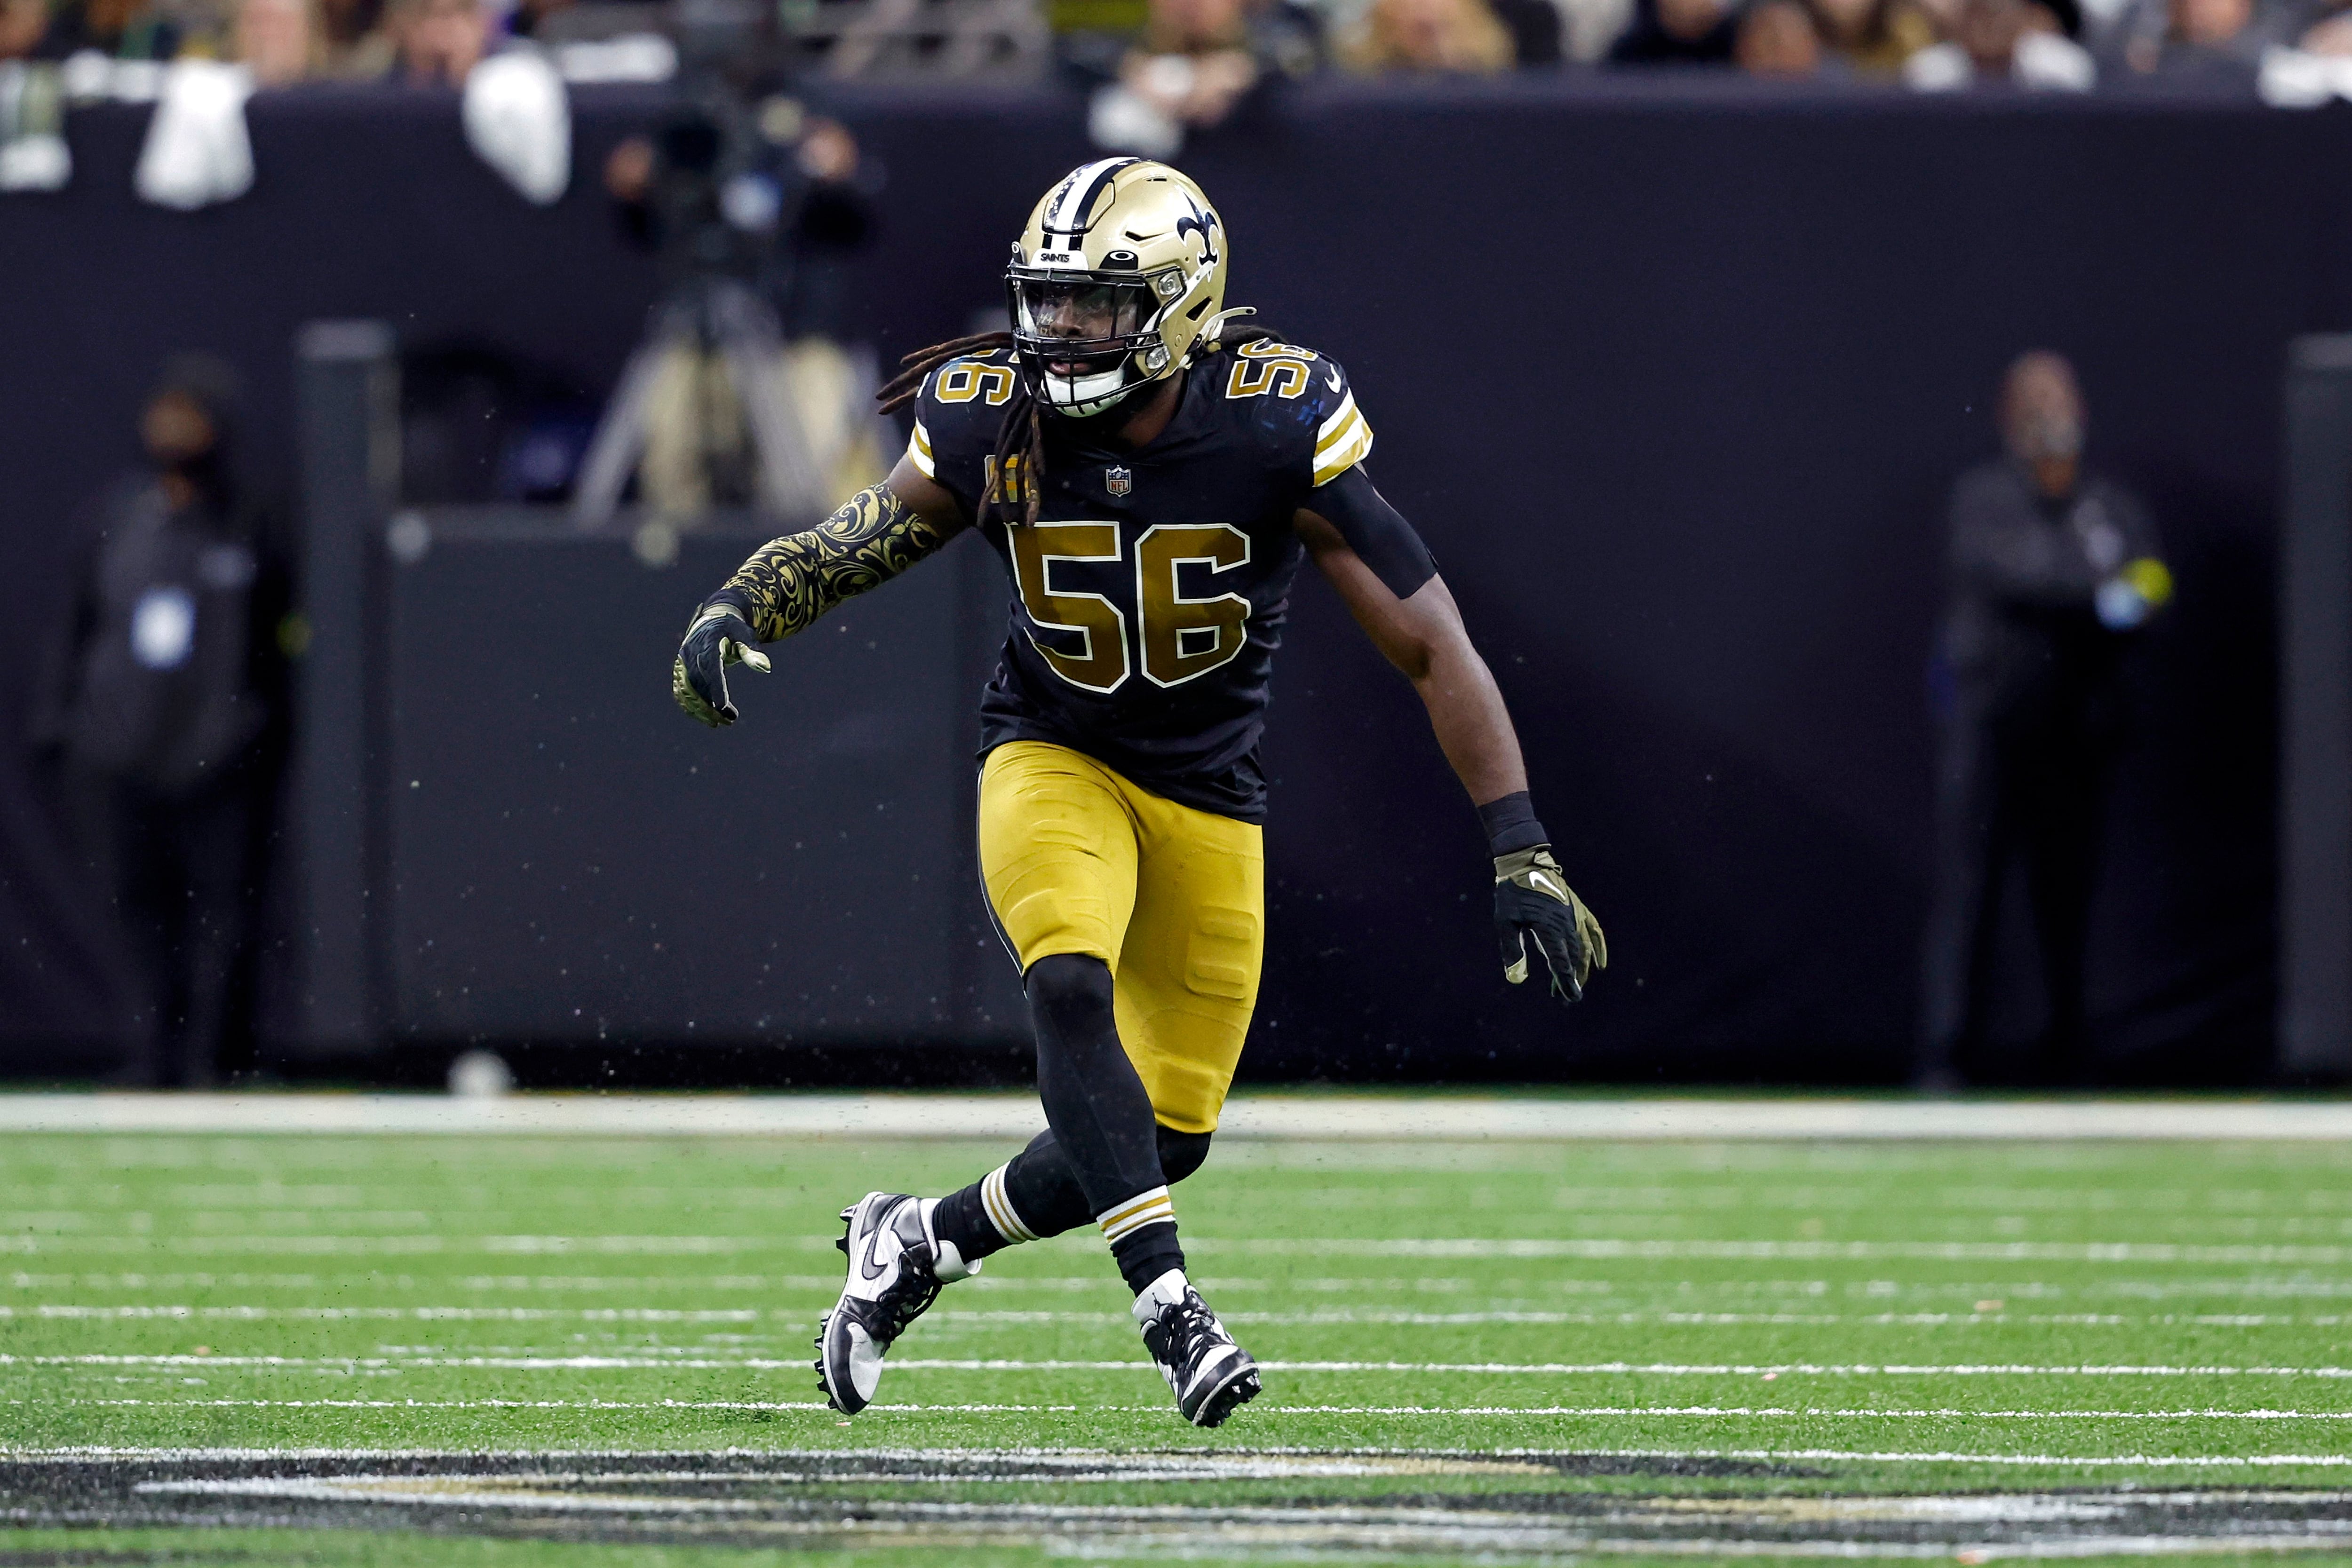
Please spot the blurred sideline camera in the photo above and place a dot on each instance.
(741, 392)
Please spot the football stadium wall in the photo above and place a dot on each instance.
(1674, 377)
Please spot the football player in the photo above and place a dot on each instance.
(1152, 470)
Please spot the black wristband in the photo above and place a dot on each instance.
(1511, 826)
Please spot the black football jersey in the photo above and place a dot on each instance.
(1148, 598)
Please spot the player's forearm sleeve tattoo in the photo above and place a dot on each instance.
(790, 581)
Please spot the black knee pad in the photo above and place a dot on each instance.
(1181, 1154)
(1068, 987)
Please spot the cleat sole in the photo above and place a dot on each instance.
(823, 1383)
(1231, 1396)
(824, 1326)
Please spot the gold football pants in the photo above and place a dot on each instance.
(1077, 859)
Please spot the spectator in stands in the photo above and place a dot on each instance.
(279, 40)
(438, 42)
(2220, 40)
(1537, 30)
(1439, 35)
(526, 19)
(1776, 39)
(2330, 36)
(1588, 28)
(1678, 32)
(354, 44)
(125, 29)
(1194, 61)
(1873, 37)
(2018, 42)
(1198, 65)
(23, 25)
(1288, 36)
(1191, 69)
(161, 703)
(2052, 570)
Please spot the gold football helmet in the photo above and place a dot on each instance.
(1122, 265)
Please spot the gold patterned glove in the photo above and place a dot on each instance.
(698, 677)
(787, 584)
(1534, 904)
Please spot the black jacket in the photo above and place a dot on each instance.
(2025, 571)
(165, 670)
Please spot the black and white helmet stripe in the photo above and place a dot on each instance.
(1066, 214)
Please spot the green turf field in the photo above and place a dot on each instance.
(1509, 1352)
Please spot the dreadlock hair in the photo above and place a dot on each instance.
(1021, 439)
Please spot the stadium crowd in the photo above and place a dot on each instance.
(1188, 62)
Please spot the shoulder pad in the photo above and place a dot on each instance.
(959, 408)
(1314, 399)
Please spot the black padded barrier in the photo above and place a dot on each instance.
(1673, 375)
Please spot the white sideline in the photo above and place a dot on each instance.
(103, 1454)
(1401, 1116)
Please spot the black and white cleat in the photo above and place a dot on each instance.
(896, 1266)
(1209, 1374)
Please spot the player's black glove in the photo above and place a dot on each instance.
(1534, 907)
(698, 678)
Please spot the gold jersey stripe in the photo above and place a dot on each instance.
(1339, 418)
(1353, 446)
(919, 452)
(1348, 434)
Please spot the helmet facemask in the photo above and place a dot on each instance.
(1114, 273)
(1088, 340)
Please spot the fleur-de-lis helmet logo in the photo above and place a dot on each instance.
(1204, 224)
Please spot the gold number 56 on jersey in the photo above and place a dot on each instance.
(1180, 639)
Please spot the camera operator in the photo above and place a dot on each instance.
(753, 205)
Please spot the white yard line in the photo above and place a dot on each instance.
(82, 1455)
(1605, 1248)
(1581, 1411)
(1580, 1249)
(703, 1362)
(1938, 1457)
(1811, 1412)
(1446, 1118)
(1531, 1287)
(426, 1244)
(950, 1318)
(60, 1311)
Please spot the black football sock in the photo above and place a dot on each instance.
(1030, 1197)
(1036, 1194)
(1144, 1255)
(1142, 1230)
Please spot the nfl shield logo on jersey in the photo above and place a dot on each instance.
(1118, 480)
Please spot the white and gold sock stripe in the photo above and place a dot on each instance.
(999, 1205)
(1344, 441)
(1121, 1220)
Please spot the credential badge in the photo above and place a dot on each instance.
(1117, 480)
